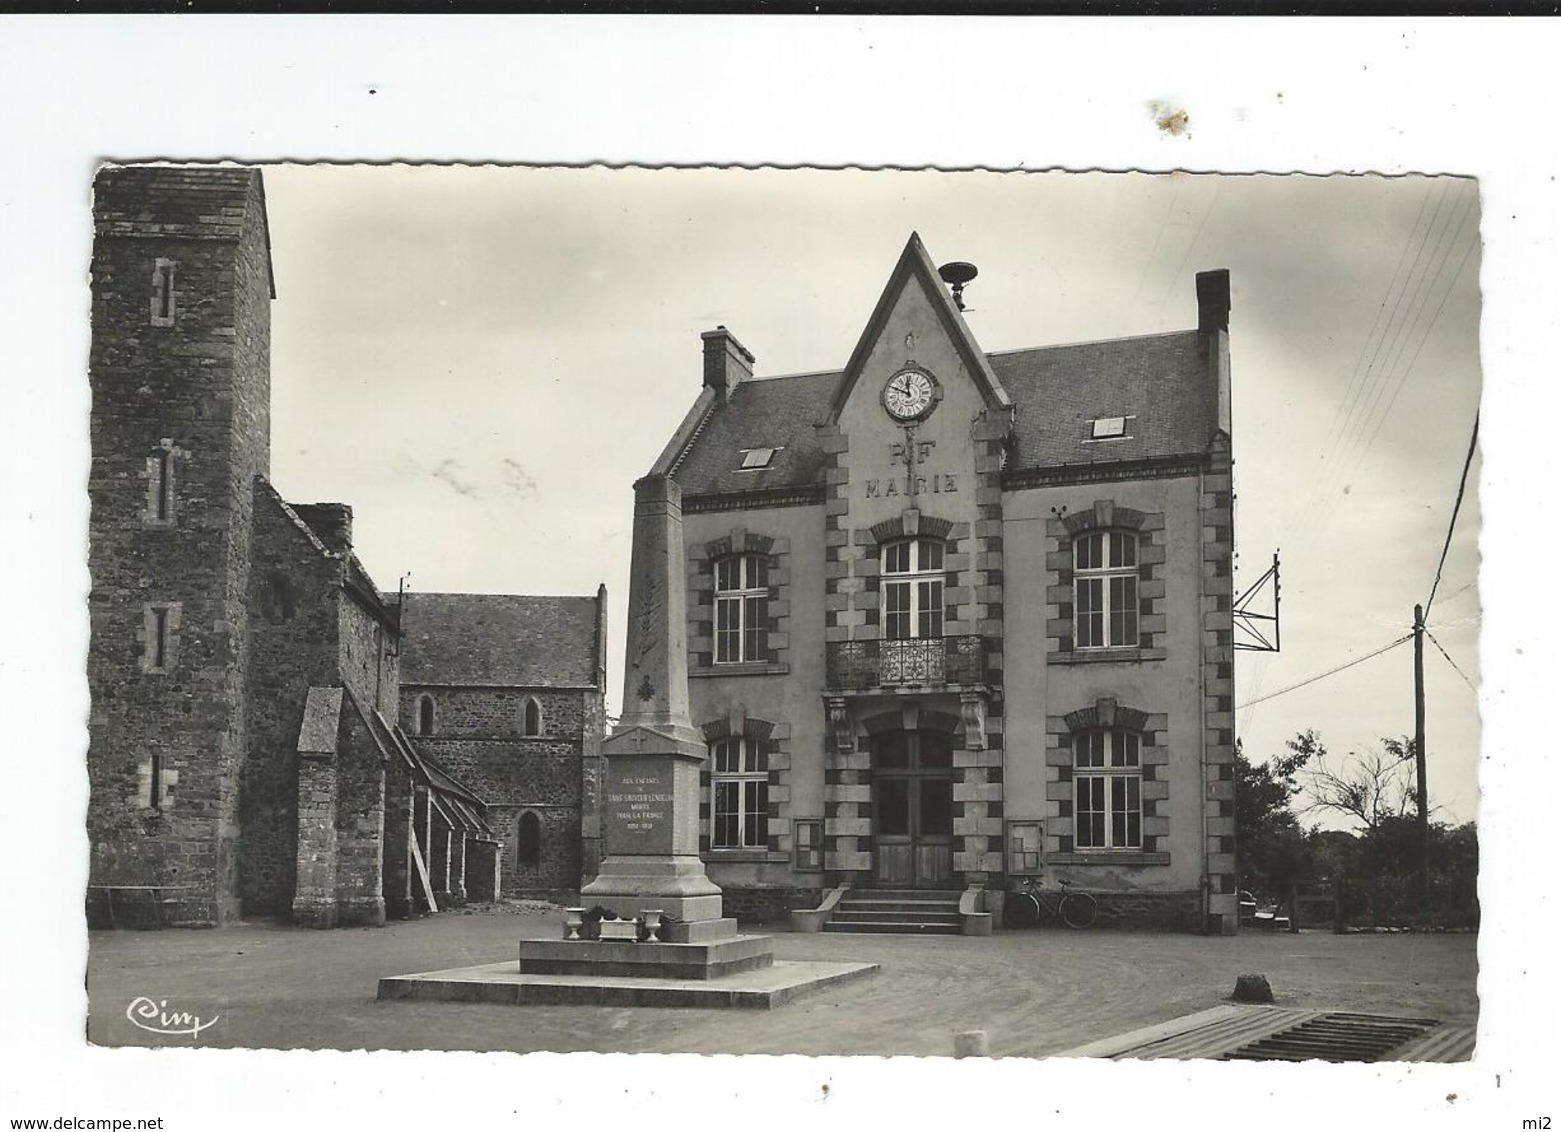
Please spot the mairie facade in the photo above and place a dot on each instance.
(959, 618)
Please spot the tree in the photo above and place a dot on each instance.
(1371, 788)
(1270, 844)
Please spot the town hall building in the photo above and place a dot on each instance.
(961, 619)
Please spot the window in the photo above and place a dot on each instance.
(425, 715)
(533, 718)
(912, 589)
(528, 840)
(1107, 812)
(1105, 609)
(156, 782)
(739, 787)
(1108, 428)
(740, 609)
(162, 293)
(160, 637)
(755, 458)
(159, 488)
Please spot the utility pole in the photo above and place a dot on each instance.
(1420, 789)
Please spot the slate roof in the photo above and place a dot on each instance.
(198, 202)
(1162, 380)
(499, 640)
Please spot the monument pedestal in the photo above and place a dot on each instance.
(650, 823)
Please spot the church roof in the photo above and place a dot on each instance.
(500, 640)
(1163, 384)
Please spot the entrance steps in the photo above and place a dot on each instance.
(904, 911)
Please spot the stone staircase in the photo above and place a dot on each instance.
(908, 911)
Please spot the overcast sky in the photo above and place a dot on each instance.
(481, 360)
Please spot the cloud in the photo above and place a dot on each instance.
(446, 472)
(516, 479)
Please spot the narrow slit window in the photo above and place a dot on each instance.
(163, 307)
(533, 721)
(161, 487)
(425, 715)
(156, 791)
(159, 640)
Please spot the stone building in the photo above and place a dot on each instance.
(956, 618)
(245, 756)
(507, 692)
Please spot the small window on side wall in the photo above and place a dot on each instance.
(425, 715)
(163, 295)
(528, 841)
(531, 723)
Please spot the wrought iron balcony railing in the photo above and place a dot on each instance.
(855, 665)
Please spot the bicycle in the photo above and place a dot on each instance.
(1023, 909)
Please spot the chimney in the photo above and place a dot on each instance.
(1214, 300)
(726, 362)
(330, 522)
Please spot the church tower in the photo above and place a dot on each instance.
(180, 428)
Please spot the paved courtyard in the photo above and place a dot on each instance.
(1035, 993)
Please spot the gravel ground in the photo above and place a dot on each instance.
(1036, 992)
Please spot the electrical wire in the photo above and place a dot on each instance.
(1331, 671)
(1463, 479)
(1451, 661)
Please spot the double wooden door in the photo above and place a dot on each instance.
(913, 809)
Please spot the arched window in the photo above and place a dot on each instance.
(739, 795)
(912, 585)
(1105, 589)
(528, 840)
(741, 593)
(1107, 810)
(532, 725)
(425, 715)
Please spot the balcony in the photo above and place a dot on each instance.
(860, 665)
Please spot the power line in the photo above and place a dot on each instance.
(1450, 660)
(1331, 671)
(1463, 479)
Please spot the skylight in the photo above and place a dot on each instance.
(754, 458)
(1108, 428)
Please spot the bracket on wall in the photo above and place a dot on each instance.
(972, 710)
(1252, 632)
(840, 724)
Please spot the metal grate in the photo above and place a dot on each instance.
(1335, 1037)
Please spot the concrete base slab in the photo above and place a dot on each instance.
(501, 983)
(712, 960)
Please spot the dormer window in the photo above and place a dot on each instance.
(1108, 428)
(756, 458)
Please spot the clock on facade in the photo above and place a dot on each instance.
(909, 395)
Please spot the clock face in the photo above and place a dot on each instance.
(908, 395)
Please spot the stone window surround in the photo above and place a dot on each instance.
(912, 523)
(1105, 515)
(161, 500)
(427, 725)
(774, 743)
(1154, 789)
(520, 840)
(147, 636)
(154, 770)
(701, 605)
(163, 274)
(529, 709)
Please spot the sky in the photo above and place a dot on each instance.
(482, 359)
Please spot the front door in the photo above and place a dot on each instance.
(913, 810)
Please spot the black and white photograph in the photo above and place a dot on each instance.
(1016, 617)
